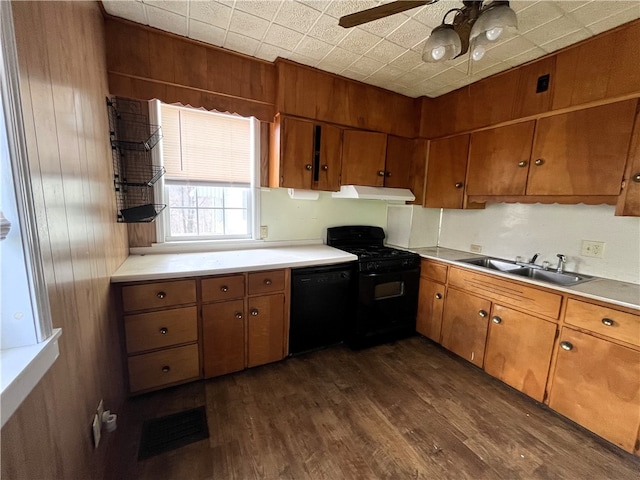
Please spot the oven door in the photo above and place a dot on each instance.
(388, 302)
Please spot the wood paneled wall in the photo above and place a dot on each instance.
(63, 84)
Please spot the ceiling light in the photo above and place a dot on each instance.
(443, 44)
(494, 20)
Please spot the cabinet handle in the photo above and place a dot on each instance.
(523, 163)
(539, 162)
(608, 322)
(387, 174)
(224, 288)
(239, 315)
(308, 166)
(254, 312)
(166, 369)
(325, 167)
(458, 185)
(497, 320)
(381, 173)
(636, 178)
(267, 281)
(568, 346)
(161, 295)
(438, 296)
(482, 313)
(164, 330)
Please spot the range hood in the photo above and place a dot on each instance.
(375, 193)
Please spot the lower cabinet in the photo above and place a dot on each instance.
(265, 332)
(223, 327)
(433, 276)
(596, 383)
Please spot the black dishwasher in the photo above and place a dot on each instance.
(322, 300)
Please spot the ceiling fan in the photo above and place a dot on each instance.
(477, 24)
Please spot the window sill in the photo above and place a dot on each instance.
(22, 369)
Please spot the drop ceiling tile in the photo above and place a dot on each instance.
(387, 73)
(248, 25)
(313, 48)
(240, 43)
(167, 21)
(408, 60)
(432, 15)
(271, 52)
(300, 58)
(131, 10)
(206, 33)
(339, 8)
(440, 91)
(282, 37)
(366, 66)
(180, 8)
(358, 41)
(353, 75)
(571, 5)
(385, 51)
(408, 80)
(554, 29)
(537, 14)
(450, 76)
(319, 5)
(296, 16)
(409, 34)
(260, 8)
(565, 41)
(484, 70)
(328, 30)
(615, 20)
(525, 57)
(338, 59)
(594, 11)
(429, 70)
(386, 25)
(510, 47)
(210, 12)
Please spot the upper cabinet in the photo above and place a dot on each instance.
(446, 171)
(363, 158)
(629, 200)
(405, 165)
(305, 154)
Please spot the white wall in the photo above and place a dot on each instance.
(412, 226)
(289, 219)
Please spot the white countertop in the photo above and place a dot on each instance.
(194, 264)
(619, 293)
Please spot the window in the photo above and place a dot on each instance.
(210, 187)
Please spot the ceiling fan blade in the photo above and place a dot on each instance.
(380, 11)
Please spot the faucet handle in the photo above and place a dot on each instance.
(561, 257)
(534, 258)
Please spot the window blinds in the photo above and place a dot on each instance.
(205, 146)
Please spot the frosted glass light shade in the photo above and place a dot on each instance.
(494, 22)
(443, 44)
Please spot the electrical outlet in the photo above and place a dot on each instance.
(96, 427)
(591, 248)
(264, 232)
(476, 248)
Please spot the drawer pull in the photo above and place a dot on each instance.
(568, 346)
(239, 315)
(164, 330)
(608, 322)
(166, 369)
(267, 281)
(254, 312)
(482, 313)
(224, 288)
(438, 296)
(497, 320)
(161, 295)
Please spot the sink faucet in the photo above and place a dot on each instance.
(561, 261)
(534, 258)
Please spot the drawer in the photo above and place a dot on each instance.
(604, 320)
(148, 331)
(434, 271)
(165, 367)
(222, 288)
(506, 292)
(158, 295)
(266, 282)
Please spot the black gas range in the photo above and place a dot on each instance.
(387, 285)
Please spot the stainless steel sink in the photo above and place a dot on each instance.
(532, 271)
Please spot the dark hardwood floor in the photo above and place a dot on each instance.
(408, 410)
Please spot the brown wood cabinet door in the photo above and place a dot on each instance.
(400, 153)
(446, 170)
(265, 341)
(296, 153)
(363, 158)
(596, 383)
(464, 325)
(330, 158)
(430, 306)
(519, 350)
(223, 337)
(629, 200)
(499, 160)
(582, 152)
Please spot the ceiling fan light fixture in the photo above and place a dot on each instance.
(494, 21)
(443, 44)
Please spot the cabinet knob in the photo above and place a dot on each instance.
(381, 173)
(164, 330)
(239, 315)
(568, 346)
(523, 163)
(438, 296)
(539, 162)
(636, 177)
(161, 295)
(482, 313)
(607, 321)
(458, 185)
(325, 167)
(267, 281)
(497, 320)
(166, 369)
(387, 174)
(254, 312)
(224, 288)
(308, 166)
